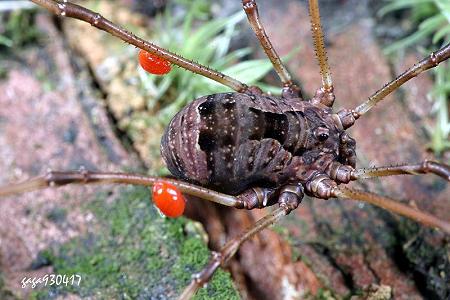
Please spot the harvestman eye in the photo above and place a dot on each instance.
(322, 133)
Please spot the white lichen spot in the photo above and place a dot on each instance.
(288, 290)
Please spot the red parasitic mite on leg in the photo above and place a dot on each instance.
(168, 199)
(247, 149)
(153, 64)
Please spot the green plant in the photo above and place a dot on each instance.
(210, 45)
(441, 95)
(17, 29)
(433, 27)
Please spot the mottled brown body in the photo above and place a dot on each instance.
(234, 141)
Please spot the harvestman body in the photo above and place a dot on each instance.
(250, 150)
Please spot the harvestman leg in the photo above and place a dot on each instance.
(432, 61)
(226, 253)
(67, 9)
(392, 206)
(290, 89)
(326, 93)
(348, 174)
(55, 179)
(250, 199)
(425, 167)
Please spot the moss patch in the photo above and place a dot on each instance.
(427, 259)
(17, 30)
(4, 292)
(133, 253)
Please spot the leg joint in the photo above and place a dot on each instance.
(290, 197)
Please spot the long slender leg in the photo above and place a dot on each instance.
(433, 60)
(67, 9)
(221, 258)
(393, 206)
(55, 179)
(319, 46)
(249, 199)
(345, 173)
(289, 88)
(426, 166)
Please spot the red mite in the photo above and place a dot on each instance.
(168, 199)
(153, 64)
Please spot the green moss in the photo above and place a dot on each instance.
(429, 263)
(324, 294)
(133, 253)
(5, 294)
(17, 31)
(57, 215)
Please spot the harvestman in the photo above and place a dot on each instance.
(314, 160)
